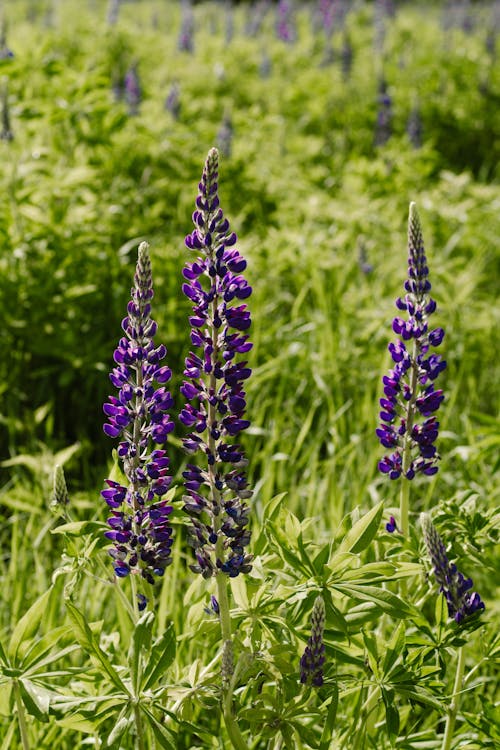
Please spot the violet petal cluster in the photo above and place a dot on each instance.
(409, 426)
(214, 382)
(140, 527)
(461, 600)
(313, 658)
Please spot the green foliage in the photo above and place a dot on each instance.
(320, 212)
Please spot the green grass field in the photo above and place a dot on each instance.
(321, 215)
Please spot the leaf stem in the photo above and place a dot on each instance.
(138, 728)
(21, 716)
(453, 710)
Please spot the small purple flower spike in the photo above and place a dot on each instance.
(214, 388)
(409, 427)
(391, 526)
(461, 601)
(140, 527)
(313, 658)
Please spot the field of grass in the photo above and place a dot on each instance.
(324, 141)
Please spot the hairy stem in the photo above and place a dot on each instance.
(138, 728)
(455, 698)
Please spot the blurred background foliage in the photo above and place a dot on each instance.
(324, 141)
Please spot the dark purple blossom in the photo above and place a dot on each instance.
(409, 427)
(186, 35)
(391, 526)
(139, 525)
(285, 24)
(132, 89)
(215, 374)
(461, 600)
(313, 658)
(173, 100)
(383, 127)
(225, 136)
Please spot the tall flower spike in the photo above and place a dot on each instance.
(409, 427)
(462, 602)
(140, 528)
(213, 387)
(313, 658)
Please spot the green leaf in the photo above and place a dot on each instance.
(163, 736)
(394, 648)
(386, 600)
(391, 715)
(141, 639)
(79, 528)
(120, 728)
(359, 537)
(36, 698)
(331, 715)
(90, 645)
(28, 624)
(7, 743)
(162, 656)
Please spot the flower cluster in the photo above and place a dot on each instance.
(313, 658)
(138, 415)
(409, 427)
(462, 602)
(213, 387)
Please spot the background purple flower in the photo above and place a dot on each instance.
(140, 528)
(214, 388)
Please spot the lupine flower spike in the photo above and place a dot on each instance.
(313, 658)
(409, 427)
(217, 490)
(461, 600)
(140, 528)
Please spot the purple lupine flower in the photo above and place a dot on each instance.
(214, 388)
(414, 127)
(313, 658)
(461, 600)
(391, 526)
(140, 527)
(346, 56)
(173, 100)
(285, 29)
(113, 11)
(409, 427)
(132, 89)
(185, 42)
(384, 115)
(225, 136)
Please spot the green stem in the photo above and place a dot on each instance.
(232, 728)
(453, 710)
(21, 716)
(138, 728)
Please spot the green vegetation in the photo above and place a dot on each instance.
(320, 212)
